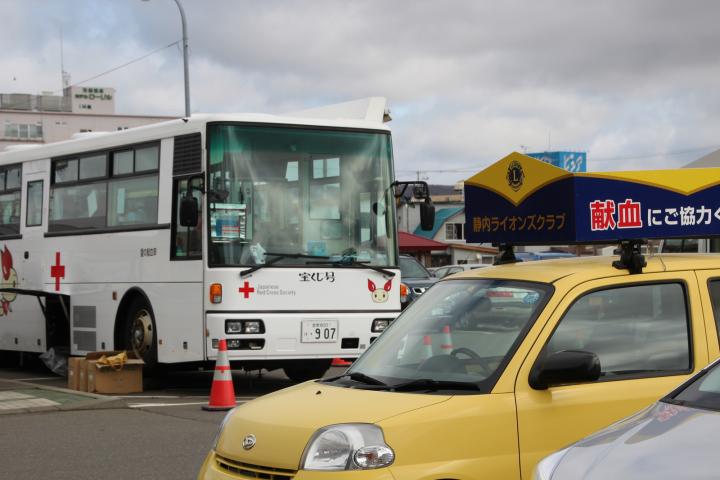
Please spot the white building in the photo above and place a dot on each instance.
(449, 229)
(27, 119)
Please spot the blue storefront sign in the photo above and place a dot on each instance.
(520, 200)
(571, 161)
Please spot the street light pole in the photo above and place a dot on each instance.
(185, 58)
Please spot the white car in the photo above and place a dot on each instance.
(441, 272)
(675, 438)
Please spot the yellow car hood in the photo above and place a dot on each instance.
(283, 422)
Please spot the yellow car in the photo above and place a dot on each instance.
(489, 371)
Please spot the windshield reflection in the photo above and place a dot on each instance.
(458, 331)
(283, 194)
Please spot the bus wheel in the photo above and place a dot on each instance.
(139, 332)
(307, 369)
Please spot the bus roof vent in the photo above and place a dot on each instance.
(187, 155)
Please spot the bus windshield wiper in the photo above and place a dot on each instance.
(358, 377)
(352, 262)
(278, 257)
(430, 384)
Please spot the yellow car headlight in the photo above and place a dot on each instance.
(351, 446)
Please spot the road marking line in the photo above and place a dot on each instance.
(146, 405)
(152, 396)
(33, 402)
(14, 396)
(160, 397)
(33, 379)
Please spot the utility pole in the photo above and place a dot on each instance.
(185, 56)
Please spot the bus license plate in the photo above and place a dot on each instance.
(319, 331)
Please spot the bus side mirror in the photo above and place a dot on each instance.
(427, 214)
(567, 366)
(188, 211)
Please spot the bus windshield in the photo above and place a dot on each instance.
(277, 194)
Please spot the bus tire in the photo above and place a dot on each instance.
(304, 370)
(138, 333)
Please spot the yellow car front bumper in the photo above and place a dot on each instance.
(212, 470)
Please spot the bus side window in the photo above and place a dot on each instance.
(188, 240)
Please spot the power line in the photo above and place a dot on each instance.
(127, 63)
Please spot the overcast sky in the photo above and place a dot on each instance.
(636, 84)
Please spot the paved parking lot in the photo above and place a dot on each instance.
(47, 431)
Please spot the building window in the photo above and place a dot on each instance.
(23, 131)
(454, 231)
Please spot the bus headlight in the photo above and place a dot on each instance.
(253, 327)
(235, 327)
(380, 324)
(351, 446)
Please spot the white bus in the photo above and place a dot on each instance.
(274, 232)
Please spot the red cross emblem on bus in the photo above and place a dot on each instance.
(246, 290)
(57, 271)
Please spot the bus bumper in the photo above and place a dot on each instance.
(279, 336)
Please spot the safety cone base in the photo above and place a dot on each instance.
(215, 408)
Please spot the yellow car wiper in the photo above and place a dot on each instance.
(430, 384)
(358, 377)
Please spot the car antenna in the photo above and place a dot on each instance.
(631, 257)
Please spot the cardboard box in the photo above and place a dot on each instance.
(91, 369)
(106, 379)
(82, 376)
(74, 371)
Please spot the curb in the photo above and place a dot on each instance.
(94, 401)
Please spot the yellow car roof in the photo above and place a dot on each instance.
(588, 268)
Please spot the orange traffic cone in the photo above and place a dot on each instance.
(427, 345)
(222, 393)
(446, 346)
(339, 362)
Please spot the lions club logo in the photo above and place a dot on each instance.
(515, 175)
(379, 296)
(9, 280)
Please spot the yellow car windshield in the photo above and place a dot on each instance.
(458, 331)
